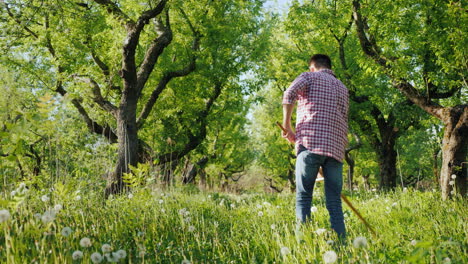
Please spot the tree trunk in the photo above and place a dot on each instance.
(454, 152)
(127, 134)
(387, 164)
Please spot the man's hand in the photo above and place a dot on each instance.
(289, 134)
(287, 131)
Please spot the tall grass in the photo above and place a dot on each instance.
(153, 226)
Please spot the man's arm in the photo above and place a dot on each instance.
(287, 112)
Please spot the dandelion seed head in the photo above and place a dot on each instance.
(121, 253)
(85, 242)
(112, 257)
(451, 182)
(260, 213)
(273, 226)
(360, 242)
(45, 198)
(77, 255)
(58, 207)
(447, 260)
(4, 215)
(66, 231)
(141, 254)
(78, 197)
(330, 242)
(161, 201)
(454, 176)
(48, 216)
(394, 204)
(130, 195)
(106, 248)
(191, 228)
(414, 242)
(186, 261)
(313, 209)
(330, 257)
(320, 231)
(285, 251)
(96, 257)
(13, 193)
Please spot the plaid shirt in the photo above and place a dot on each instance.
(322, 113)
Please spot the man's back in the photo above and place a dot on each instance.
(322, 122)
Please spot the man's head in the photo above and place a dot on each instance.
(318, 62)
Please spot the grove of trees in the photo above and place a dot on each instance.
(129, 92)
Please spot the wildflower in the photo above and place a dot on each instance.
(106, 248)
(161, 201)
(313, 209)
(405, 189)
(446, 260)
(58, 207)
(454, 176)
(78, 197)
(330, 257)
(260, 213)
(96, 257)
(66, 231)
(185, 261)
(273, 226)
(112, 257)
(413, 242)
(320, 231)
(451, 182)
(285, 251)
(4, 215)
(360, 242)
(121, 253)
(77, 255)
(130, 195)
(85, 242)
(191, 228)
(48, 216)
(45, 198)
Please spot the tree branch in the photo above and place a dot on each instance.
(27, 29)
(113, 9)
(97, 96)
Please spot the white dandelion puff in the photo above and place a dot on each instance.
(66, 231)
(313, 209)
(130, 195)
(285, 251)
(360, 242)
(161, 201)
(13, 193)
(454, 176)
(112, 257)
(4, 215)
(77, 255)
(330, 257)
(85, 242)
(45, 198)
(121, 253)
(106, 248)
(260, 213)
(330, 242)
(451, 182)
(48, 216)
(447, 260)
(141, 254)
(58, 207)
(191, 228)
(186, 261)
(414, 242)
(78, 197)
(96, 257)
(273, 226)
(320, 231)
(394, 204)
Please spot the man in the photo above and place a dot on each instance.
(320, 138)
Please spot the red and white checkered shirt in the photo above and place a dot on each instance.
(322, 113)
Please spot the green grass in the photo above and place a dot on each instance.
(223, 228)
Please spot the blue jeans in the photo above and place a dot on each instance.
(307, 166)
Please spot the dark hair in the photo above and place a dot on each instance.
(320, 61)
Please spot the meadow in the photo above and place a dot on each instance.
(69, 224)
